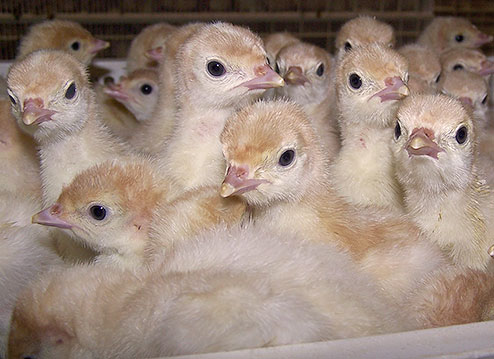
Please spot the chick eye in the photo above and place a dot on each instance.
(484, 100)
(216, 69)
(320, 70)
(459, 38)
(397, 130)
(70, 93)
(98, 212)
(458, 67)
(461, 135)
(146, 89)
(277, 68)
(75, 45)
(348, 46)
(286, 158)
(355, 81)
(267, 60)
(12, 100)
(438, 78)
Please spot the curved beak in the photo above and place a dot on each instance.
(238, 181)
(34, 112)
(99, 45)
(483, 39)
(395, 90)
(116, 92)
(265, 78)
(50, 217)
(421, 143)
(295, 76)
(155, 54)
(487, 68)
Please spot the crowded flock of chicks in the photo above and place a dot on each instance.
(236, 192)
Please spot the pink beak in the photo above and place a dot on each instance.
(99, 45)
(155, 54)
(483, 39)
(421, 143)
(116, 92)
(237, 181)
(395, 90)
(487, 68)
(466, 101)
(266, 78)
(49, 217)
(295, 76)
(34, 112)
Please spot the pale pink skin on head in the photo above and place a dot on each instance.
(393, 84)
(155, 54)
(50, 217)
(266, 78)
(428, 147)
(35, 108)
(487, 68)
(238, 178)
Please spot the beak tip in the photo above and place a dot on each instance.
(226, 190)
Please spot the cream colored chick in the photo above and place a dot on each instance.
(461, 58)
(306, 70)
(154, 133)
(276, 164)
(149, 38)
(471, 89)
(219, 69)
(25, 252)
(274, 42)
(446, 32)
(20, 165)
(434, 150)
(63, 35)
(221, 291)
(120, 210)
(370, 82)
(424, 68)
(363, 30)
(138, 92)
(50, 94)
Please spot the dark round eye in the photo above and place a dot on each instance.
(75, 45)
(397, 130)
(348, 46)
(355, 81)
(484, 100)
(146, 89)
(70, 93)
(458, 67)
(98, 212)
(12, 99)
(277, 68)
(320, 70)
(461, 135)
(287, 158)
(216, 69)
(459, 38)
(438, 78)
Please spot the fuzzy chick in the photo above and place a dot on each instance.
(466, 59)
(218, 69)
(363, 30)
(424, 68)
(370, 82)
(150, 37)
(274, 42)
(221, 291)
(276, 165)
(62, 35)
(51, 95)
(120, 210)
(434, 150)
(138, 92)
(306, 70)
(445, 32)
